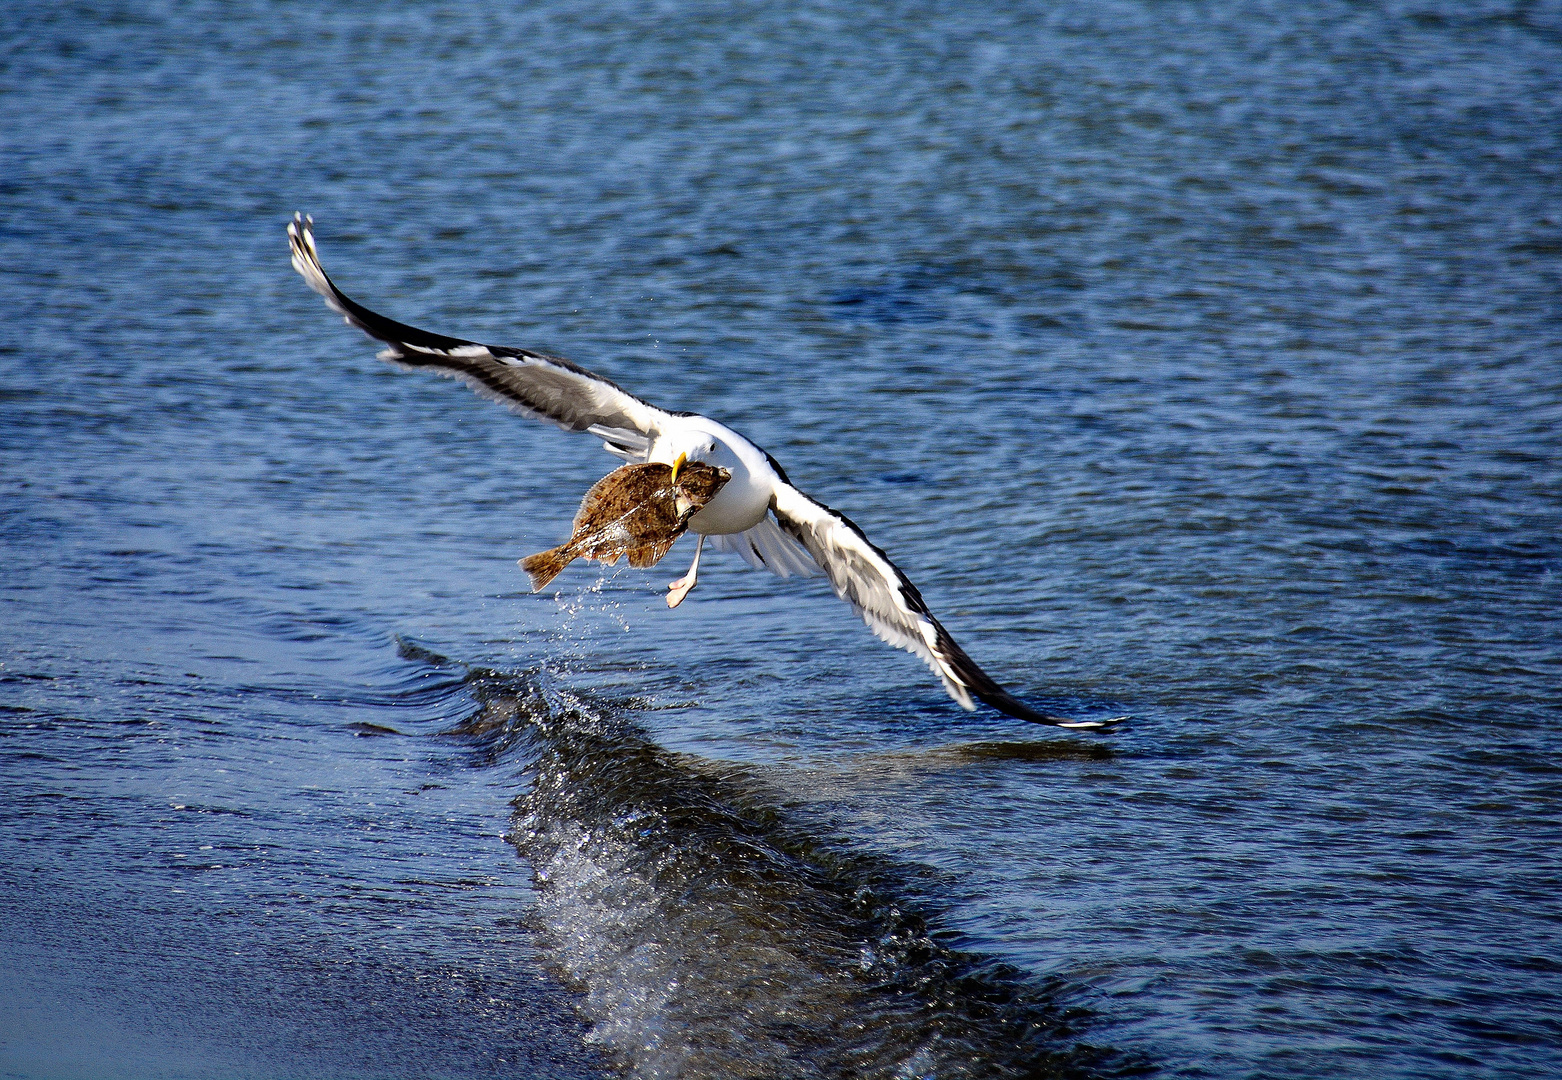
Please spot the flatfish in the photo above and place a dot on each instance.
(636, 510)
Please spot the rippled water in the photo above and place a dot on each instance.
(1201, 363)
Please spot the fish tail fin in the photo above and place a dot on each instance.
(546, 565)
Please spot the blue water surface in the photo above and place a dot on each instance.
(1199, 362)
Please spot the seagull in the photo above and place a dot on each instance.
(758, 513)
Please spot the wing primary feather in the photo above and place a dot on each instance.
(306, 260)
(863, 575)
(532, 383)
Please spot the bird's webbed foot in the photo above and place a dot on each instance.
(680, 588)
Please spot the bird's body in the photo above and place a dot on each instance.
(758, 512)
(743, 501)
(638, 511)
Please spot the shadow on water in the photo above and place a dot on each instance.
(713, 931)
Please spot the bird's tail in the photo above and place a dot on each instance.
(547, 565)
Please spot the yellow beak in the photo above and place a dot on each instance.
(683, 459)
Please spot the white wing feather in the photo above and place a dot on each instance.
(863, 576)
(766, 547)
(890, 604)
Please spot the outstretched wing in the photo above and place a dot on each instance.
(892, 607)
(531, 383)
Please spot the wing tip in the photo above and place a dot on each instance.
(399, 338)
(306, 258)
(1010, 705)
(1092, 725)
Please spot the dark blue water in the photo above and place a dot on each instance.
(1198, 362)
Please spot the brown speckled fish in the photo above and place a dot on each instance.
(638, 511)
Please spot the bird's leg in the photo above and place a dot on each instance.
(680, 588)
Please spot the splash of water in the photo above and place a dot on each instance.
(715, 931)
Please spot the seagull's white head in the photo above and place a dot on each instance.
(680, 448)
